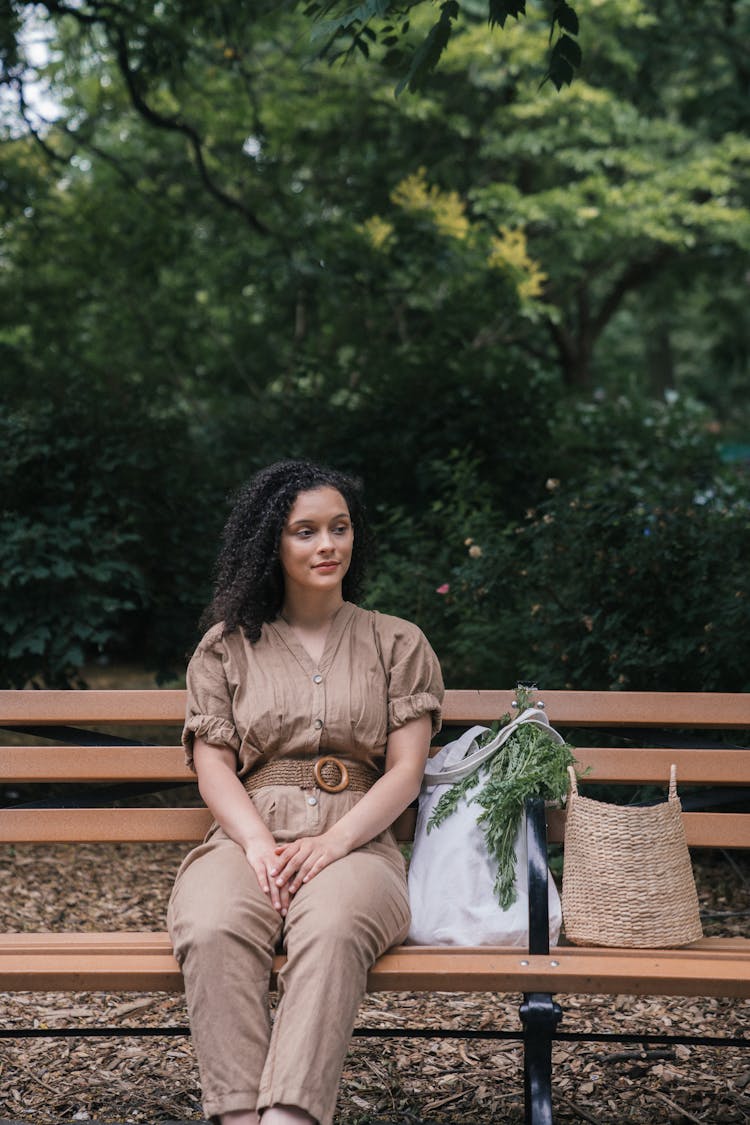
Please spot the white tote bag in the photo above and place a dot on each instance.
(451, 874)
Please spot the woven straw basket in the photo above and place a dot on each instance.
(627, 876)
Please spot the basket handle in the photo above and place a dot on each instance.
(672, 782)
(573, 782)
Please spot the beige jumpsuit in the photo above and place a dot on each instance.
(268, 701)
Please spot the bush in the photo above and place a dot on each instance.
(632, 574)
(102, 551)
(622, 590)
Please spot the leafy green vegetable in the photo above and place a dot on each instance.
(530, 763)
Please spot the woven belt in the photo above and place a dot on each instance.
(327, 773)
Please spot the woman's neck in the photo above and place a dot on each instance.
(311, 614)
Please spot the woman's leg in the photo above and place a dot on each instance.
(224, 930)
(276, 1115)
(337, 926)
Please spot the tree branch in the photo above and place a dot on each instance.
(631, 278)
(109, 15)
(174, 124)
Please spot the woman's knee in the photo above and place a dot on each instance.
(204, 914)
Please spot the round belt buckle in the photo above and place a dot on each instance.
(326, 786)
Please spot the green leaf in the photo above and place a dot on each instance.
(500, 10)
(427, 55)
(566, 19)
(561, 68)
(569, 50)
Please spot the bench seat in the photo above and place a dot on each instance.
(97, 742)
(112, 962)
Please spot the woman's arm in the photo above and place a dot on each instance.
(232, 808)
(406, 755)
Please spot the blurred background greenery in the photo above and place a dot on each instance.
(520, 314)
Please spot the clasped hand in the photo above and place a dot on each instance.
(282, 869)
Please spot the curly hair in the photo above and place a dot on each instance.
(249, 581)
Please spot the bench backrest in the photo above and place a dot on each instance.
(71, 730)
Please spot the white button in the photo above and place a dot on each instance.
(318, 724)
(317, 678)
(312, 800)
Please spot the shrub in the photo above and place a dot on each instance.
(630, 574)
(100, 554)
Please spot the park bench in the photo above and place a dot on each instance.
(638, 736)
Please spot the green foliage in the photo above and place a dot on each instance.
(96, 557)
(349, 29)
(227, 253)
(630, 573)
(638, 588)
(530, 763)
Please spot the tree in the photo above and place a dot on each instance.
(618, 192)
(413, 288)
(176, 344)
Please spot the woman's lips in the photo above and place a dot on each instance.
(326, 566)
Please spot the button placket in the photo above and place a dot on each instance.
(312, 807)
(319, 706)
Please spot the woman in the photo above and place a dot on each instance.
(308, 723)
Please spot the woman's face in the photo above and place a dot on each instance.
(316, 542)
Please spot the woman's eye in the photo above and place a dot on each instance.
(342, 529)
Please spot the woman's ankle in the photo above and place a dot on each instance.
(287, 1115)
(240, 1117)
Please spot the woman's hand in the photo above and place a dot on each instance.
(301, 860)
(227, 799)
(262, 857)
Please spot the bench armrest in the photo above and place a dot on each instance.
(538, 873)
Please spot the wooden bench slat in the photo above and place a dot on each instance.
(170, 825)
(581, 708)
(103, 825)
(719, 710)
(141, 707)
(145, 961)
(639, 765)
(650, 765)
(703, 830)
(93, 763)
(157, 941)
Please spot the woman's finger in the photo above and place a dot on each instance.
(309, 869)
(262, 866)
(286, 867)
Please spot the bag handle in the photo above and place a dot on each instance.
(473, 761)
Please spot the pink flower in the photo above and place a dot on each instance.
(444, 589)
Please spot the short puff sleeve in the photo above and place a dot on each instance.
(415, 682)
(209, 712)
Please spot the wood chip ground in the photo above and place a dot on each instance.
(154, 1080)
